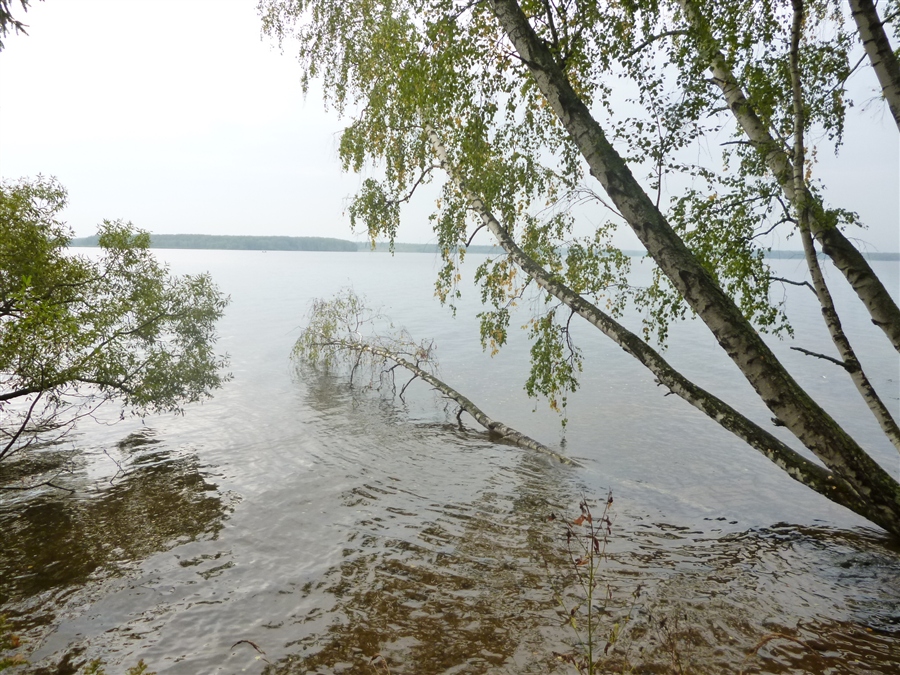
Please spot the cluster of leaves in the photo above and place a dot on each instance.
(78, 331)
(343, 333)
(397, 69)
(729, 207)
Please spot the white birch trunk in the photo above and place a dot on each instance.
(795, 465)
(791, 405)
(881, 306)
(878, 49)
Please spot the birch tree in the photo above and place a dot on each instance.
(511, 109)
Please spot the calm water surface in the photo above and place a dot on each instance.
(324, 525)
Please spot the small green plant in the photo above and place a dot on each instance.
(9, 642)
(586, 541)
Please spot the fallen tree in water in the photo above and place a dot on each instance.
(333, 338)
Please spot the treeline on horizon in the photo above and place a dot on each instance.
(237, 242)
(283, 243)
(274, 243)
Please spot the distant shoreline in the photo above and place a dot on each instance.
(275, 243)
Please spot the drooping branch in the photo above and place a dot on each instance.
(323, 341)
(850, 361)
(11, 446)
(878, 49)
(795, 465)
(846, 257)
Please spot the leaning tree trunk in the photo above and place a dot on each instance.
(878, 49)
(846, 257)
(802, 470)
(849, 360)
(791, 405)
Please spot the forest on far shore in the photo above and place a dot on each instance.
(278, 243)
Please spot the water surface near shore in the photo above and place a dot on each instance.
(327, 525)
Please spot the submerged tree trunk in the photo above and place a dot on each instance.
(334, 334)
(792, 406)
(497, 430)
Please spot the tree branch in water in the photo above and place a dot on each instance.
(334, 337)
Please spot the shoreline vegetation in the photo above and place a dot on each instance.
(280, 243)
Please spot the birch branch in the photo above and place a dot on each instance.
(498, 431)
(871, 291)
(827, 483)
(802, 201)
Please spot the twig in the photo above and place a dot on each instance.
(469, 243)
(793, 283)
(256, 647)
(48, 483)
(821, 356)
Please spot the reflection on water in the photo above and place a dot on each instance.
(816, 600)
(439, 570)
(431, 548)
(463, 591)
(372, 527)
(57, 541)
(469, 591)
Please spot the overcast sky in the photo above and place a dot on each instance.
(178, 116)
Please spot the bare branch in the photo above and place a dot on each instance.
(477, 229)
(821, 356)
(793, 283)
(403, 390)
(649, 41)
(319, 344)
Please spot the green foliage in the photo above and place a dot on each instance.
(344, 333)
(78, 331)
(330, 324)
(554, 360)
(721, 230)
(9, 642)
(397, 68)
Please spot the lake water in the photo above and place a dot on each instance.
(325, 525)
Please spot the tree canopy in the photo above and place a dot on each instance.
(78, 331)
(519, 110)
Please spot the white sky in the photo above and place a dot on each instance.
(178, 116)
